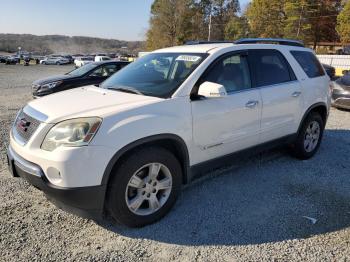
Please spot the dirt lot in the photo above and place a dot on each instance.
(253, 212)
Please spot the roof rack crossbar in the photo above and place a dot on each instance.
(279, 41)
(201, 42)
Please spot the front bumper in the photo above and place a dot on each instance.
(341, 99)
(37, 94)
(84, 201)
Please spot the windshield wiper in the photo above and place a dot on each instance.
(126, 89)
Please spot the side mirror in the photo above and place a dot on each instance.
(212, 90)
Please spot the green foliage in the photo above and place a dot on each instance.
(312, 21)
(173, 22)
(297, 25)
(308, 20)
(322, 17)
(170, 23)
(236, 28)
(266, 18)
(343, 26)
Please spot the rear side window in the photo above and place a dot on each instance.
(270, 68)
(309, 63)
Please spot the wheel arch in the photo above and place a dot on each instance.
(173, 143)
(320, 108)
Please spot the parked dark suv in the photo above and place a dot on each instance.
(90, 74)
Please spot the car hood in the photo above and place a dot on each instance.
(84, 102)
(52, 79)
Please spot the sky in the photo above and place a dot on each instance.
(117, 19)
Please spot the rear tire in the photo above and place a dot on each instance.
(144, 187)
(309, 137)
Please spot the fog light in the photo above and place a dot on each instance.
(54, 175)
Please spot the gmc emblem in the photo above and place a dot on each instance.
(23, 124)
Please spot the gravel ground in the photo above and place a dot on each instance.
(252, 212)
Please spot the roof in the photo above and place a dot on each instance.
(200, 48)
(213, 46)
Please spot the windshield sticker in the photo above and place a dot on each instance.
(188, 58)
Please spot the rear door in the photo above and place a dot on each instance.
(281, 94)
(228, 124)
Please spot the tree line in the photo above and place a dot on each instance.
(173, 22)
(49, 44)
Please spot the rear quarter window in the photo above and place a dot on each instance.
(309, 63)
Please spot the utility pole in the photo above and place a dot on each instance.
(300, 18)
(209, 28)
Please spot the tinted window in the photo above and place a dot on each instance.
(232, 72)
(308, 63)
(270, 68)
(109, 70)
(98, 72)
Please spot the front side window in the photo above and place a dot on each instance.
(232, 72)
(270, 67)
(108, 70)
(309, 63)
(156, 74)
(98, 72)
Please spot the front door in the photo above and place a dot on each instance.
(224, 125)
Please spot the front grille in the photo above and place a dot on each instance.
(25, 126)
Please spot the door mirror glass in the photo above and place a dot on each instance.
(212, 90)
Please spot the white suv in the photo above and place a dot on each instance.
(126, 148)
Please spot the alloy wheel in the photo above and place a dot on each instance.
(312, 136)
(148, 189)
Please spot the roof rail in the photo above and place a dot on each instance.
(279, 41)
(201, 42)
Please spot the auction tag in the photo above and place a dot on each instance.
(188, 58)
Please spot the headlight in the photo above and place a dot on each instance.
(51, 85)
(73, 133)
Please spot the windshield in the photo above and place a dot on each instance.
(82, 70)
(156, 74)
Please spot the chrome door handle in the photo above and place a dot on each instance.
(296, 94)
(252, 104)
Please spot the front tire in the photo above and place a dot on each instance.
(144, 187)
(309, 137)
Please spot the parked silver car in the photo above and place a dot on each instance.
(55, 61)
